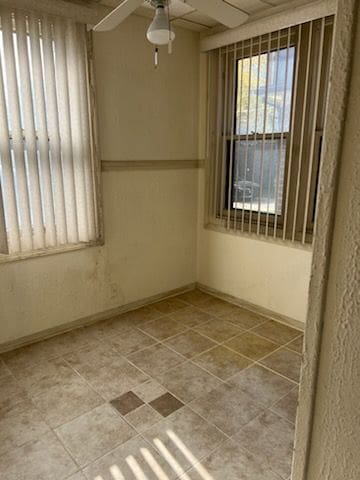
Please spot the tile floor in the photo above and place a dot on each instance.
(190, 388)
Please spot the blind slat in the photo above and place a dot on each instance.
(23, 204)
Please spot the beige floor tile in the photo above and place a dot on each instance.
(270, 438)
(77, 476)
(169, 305)
(218, 307)
(245, 318)
(44, 458)
(10, 392)
(187, 381)
(106, 371)
(141, 315)
(251, 345)
(149, 390)
(143, 418)
(230, 462)
(20, 424)
(135, 459)
(297, 344)
(222, 362)
(109, 328)
(40, 378)
(194, 297)
(71, 341)
(63, 402)
(4, 370)
(182, 431)
(94, 434)
(277, 332)
(29, 356)
(130, 342)
(162, 328)
(156, 360)
(286, 362)
(189, 343)
(258, 382)
(227, 407)
(218, 329)
(191, 316)
(287, 406)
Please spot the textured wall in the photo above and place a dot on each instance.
(328, 431)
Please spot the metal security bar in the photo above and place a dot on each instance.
(266, 107)
(48, 194)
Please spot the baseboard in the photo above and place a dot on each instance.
(85, 321)
(252, 307)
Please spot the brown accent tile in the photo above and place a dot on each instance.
(277, 332)
(127, 403)
(43, 458)
(143, 418)
(222, 362)
(245, 318)
(287, 406)
(270, 438)
(218, 329)
(156, 360)
(166, 404)
(191, 316)
(149, 390)
(188, 381)
(199, 436)
(231, 462)
(251, 345)
(189, 343)
(162, 328)
(94, 434)
(227, 407)
(258, 382)
(169, 305)
(130, 342)
(297, 345)
(285, 362)
(106, 371)
(19, 424)
(120, 463)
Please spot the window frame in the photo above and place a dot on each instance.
(267, 220)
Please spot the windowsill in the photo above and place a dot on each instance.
(15, 257)
(260, 238)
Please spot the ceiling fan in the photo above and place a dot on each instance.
(160, 31)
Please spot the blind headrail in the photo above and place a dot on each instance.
(291, 17)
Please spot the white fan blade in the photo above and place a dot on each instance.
(119, 14)
(221, 11)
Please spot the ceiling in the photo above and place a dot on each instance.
(185, 16)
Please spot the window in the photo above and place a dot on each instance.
(47, 172)
(267, 100)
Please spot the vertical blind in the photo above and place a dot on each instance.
(47, 171)
(266, 110)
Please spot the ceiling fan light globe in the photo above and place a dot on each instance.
(159, 31)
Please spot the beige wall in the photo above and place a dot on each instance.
(149, 216)
(269, 274)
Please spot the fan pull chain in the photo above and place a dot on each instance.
(156, 57)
